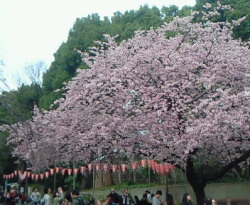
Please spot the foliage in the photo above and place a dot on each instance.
(150, 90)
(182, 99)
(91, 28)
(240, 8)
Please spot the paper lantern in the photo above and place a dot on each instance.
(157, 168)
(167, 167)
(154, 165)
(58, 169)
(162, 169)
(90, 167)
(151, 163)
(76, 171)
(123, 167)
(114, 167)
(22, 176)
(98, 167)
(143, 162)
(37, 177)
(69, 171)
(83, 169)
(46, 174)
(42, 176)
(28, 174)
(15, 172)
(63, 171)
(12, 175)
(133, 165)
(52, 170)
(32, 176)
(105, 168)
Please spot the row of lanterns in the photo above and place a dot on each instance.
(162, 169)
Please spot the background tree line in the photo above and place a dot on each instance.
(17, 105)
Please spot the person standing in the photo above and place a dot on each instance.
(35, 197)
(76, 198)
(149, 196)
(170, 200)
(127, 198)
(186, 199)
(156, 198)
(58, 197)
(46, 200)
(209, 201)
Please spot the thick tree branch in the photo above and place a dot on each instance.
(218, 174)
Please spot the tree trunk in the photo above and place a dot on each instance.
(199, 192)
(197, 182)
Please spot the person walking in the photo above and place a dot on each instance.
(156, 198)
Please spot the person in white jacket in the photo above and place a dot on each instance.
(35, 197)
(46, 198)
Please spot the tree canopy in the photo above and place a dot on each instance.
(182, 98)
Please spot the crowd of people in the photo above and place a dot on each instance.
(125, 198)
(74, 198)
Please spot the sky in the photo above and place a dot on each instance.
(33, 30)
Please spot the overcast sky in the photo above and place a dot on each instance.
(32, 30)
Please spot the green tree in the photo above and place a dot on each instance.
(240, 8)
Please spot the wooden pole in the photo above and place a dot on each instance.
(54, 181)
(93, 191)
(149, 180)
(74, 176)
(167, 190)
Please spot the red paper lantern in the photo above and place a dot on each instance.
(52, 171)
(22, 176)
(46, 174)
(58, 169)
(69, 171)
(98, 167)
(133, 165)
(123, 167)
(151, 163)
(83, 170)
(42, 176)
(154, 165)
(90, 167)
(143, 162)
(114, 167)
(15, 172)
(63, 171)
(167, 167)
(105, 168)
(157, 166)
(162, 169)
(32, 176)
(28, 174)
(76, 171)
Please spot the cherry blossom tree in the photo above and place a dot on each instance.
(179, 94)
